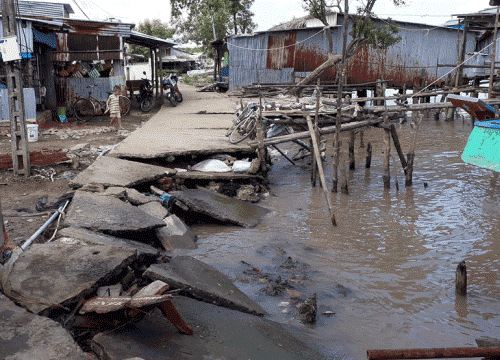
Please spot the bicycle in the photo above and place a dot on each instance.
(86, 108)
(244, 125)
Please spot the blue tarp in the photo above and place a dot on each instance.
(47, 39)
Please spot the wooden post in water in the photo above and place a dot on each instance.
(461, 279)
(344, 187)
(397, 145)
(314, 165)
(411, 154)
(368, 162)
(352, 161)
(261, 149)
(316, 153)
(386, 177)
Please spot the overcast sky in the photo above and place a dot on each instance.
(272, 12)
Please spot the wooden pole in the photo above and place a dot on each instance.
(411, 154)
(368, 162)
(320, 168)
(462, 55)
(341, 69)
(397, 145)
(261, 149)
(387, 147)
(314, 167)
(352, 161)
(461, 279)
(493, 56)
(344, 186)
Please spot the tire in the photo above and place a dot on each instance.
(243, 130)
(147, 104)
(172, 101)
(124, 105)
(83, 109)
(178, 97)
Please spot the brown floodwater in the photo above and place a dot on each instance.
(387, 270)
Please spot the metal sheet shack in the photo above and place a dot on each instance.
(285, 54)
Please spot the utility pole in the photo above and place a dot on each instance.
(20, 151)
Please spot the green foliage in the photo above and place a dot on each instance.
(155, 28)
(194, 19)
(317, 9)
(379, 36)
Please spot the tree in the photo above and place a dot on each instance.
(198, 19)
(363, 32)
(153, 27)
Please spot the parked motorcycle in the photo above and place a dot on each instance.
(145, 97)
(171, 83)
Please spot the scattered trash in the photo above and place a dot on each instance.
(328, 313)
(283, 304)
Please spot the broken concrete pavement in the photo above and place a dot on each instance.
(108, 214)
(49, 275)
(203, 282)
(110, 171)
(25, 336)
(221, 207)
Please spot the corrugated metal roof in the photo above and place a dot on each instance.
(44, 9)
(138, 38)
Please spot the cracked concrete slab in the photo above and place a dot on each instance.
(47, 275)
(110, 171)
(203, 282)
(221, 207)
(108, 214)
(219, 333)
(25, 336)
(89, 236)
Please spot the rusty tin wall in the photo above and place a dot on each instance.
(83, 47)
(411, 62)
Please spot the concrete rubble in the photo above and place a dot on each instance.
(110, 171)
(200, 281)
(108, 214)
(25, 336)
(51, 275)
(222, 208)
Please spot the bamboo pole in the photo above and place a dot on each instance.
(493, 56)
(344, 186)
(320, 168)
(314, 167)
(261, 148)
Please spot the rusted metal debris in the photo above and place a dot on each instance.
(435, 353)
(109, 312)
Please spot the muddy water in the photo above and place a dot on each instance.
(387, 270)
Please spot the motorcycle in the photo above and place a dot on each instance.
(145, 97)
(173, 92)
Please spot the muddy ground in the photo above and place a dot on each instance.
(51, 181)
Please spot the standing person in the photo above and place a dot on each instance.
(113, 104)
